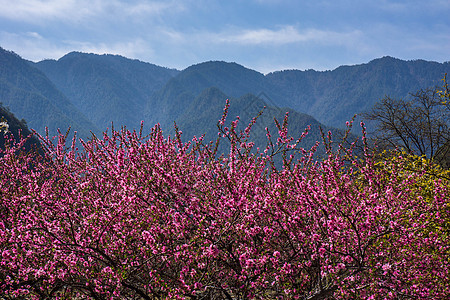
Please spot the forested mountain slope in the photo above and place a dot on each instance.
(30, 95)
(90, 91)
(335, 96)
(106, 88)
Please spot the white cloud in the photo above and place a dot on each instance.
(268, 1)
(34, 35)
(31, 45)
(149, 8)
(36, 11)
(34, 47)
(170, 35)
(398, 41)
(435, 6)
(284, 35)
(131, 49)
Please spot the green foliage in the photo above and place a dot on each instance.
(428, 177)
(444, 93)
(4, 126)
(10, 126)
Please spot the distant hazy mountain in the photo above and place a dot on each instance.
(90, 91)
(195, 99)
(332, 97)
(106, 88)
(233, 79)
(30, 95)
(202, 115)
(335, 96)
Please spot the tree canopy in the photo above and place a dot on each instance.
(419, 125)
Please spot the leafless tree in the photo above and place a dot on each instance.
(419, 125)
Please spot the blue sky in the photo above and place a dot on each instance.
(265, 35)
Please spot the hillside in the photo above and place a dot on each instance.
(16, 128)
(197, 114)
(204, 112)
(331, 97)
(106, 88)
(232, 78)
(30, 95)
(335, 96)
(90, 91)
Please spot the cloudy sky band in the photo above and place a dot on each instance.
(265, 35)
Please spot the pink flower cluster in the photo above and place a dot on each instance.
(155, 218)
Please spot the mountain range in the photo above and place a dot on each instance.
(89, 92)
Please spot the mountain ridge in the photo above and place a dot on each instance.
(30, 95)
(111, 89)
(349, 90)
(106, 88)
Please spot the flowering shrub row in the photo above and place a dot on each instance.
(152, 217)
